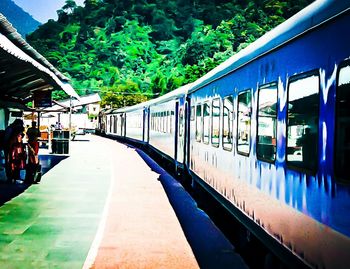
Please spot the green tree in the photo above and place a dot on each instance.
(154, 46)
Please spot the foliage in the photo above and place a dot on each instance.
(132, 50)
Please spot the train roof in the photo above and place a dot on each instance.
(313, 15)
(179, 92)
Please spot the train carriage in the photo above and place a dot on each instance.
(167, 125)
(134, 122)
(268, 134)
(112, 123)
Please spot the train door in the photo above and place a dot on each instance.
(176, 133)
(180, 134)
(188, 112)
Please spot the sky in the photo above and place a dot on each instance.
(43, 10)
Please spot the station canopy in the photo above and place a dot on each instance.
(23, 71)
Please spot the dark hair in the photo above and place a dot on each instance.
(18, 122)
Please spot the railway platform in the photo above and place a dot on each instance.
(107, 205)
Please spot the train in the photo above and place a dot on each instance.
(267, 134)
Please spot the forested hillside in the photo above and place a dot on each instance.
(152, 46)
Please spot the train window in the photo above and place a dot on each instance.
(172, 113)
(110, 124)
(302, 123)
(151, 121)
(162, 122)
(227, 124)
(267, 122)
(243, 124)
(155, 121)
(115, 124)
(342, 123)
(158, 122)
(165, 128)
(181, 121)
(198, 123)
(206, 125)
(167, 120)
(215, 122)
(193, 115)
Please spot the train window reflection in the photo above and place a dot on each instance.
(206, 125)
(215, 127)
(267, 118)
(302, 124)
(243, 125)
(342, 141)
(227, 133)
(198, 123)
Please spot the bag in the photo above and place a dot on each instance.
(22, 174)
(37, 174)
(33, 173)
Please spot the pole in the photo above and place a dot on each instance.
(70, 115)
(38, 121)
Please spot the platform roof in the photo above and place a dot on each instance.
(23, 70)
(76, 103)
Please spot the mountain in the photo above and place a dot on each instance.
(150, 47)
(21, 20)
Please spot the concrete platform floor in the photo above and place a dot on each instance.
(102, 207)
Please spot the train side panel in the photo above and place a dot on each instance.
(293, 196)
(162, 127)
(135, 124)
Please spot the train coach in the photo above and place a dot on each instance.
(267, 133)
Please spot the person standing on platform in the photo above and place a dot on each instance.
(17, 157)
(14, 150)
(33, 149)
(10, 138)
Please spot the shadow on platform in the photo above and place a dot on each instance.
(196, 225)
(9, 191)
(80, 140)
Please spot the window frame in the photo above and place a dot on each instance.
(291, 79)
(223, 122)
(250, 129)
(264, 86)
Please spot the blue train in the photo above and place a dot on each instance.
(267, 133)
